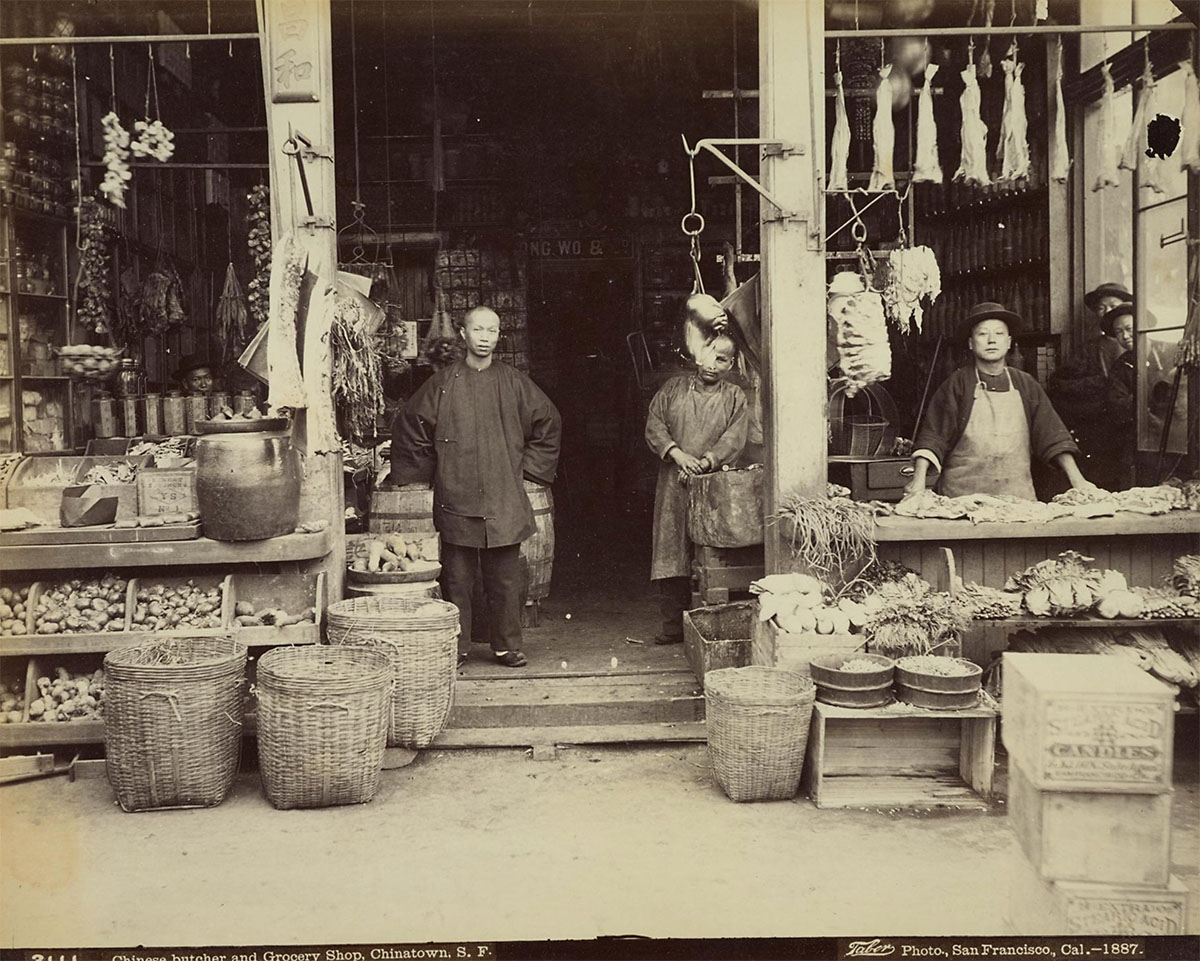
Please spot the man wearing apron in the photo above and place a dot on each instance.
(988, 421)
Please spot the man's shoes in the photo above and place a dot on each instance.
(510, 658)
(462, 658)
(668, 639)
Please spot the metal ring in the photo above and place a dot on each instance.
(859, 231)
(683, 224)
(291, 147)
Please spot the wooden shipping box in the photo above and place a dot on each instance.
(1077, 836)
(166, 490)
(1039, 907)
(1087, 722)
(772, 647)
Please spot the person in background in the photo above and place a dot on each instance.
(195, 375)
(987, 421)
(697, 423)
(476, 429)
(1106, 348)
(1115, 463)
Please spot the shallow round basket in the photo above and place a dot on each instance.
(938, 691)
(394, 577)
(859, 689)
(240, 426)
(758, 721)
(173, 721)
(423, 651)
(322, 724)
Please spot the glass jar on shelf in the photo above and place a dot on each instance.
(174, 418)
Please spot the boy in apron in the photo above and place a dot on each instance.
(988, 421)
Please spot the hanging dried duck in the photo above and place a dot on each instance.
(1012, 147)
(1060, 156)
(1189, 154)
(928, 168)
(972, 166)
(839, 150)
(1135, 156)
(1108, 174)
(883, 133)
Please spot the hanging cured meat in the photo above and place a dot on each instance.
(884, 134)
(972, 167)
(1109, 175)
(1135, 156)
(1060, 156)
(839, 150)
(862, 337)
(927, 168)
(1013, 144)
(1190, 153)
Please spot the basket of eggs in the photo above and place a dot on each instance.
(88, 362)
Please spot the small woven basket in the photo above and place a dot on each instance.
(757, 730)
(322, 724)
(422, 648)
(173, 721)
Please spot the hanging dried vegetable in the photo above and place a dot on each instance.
(839, 150)
(117, 173)
(161, 307)
(883, 133)
(93, 296)
(231, 315)
(357, 369)
(928, 168)
(862, 339)
(1109, 175)
(1060, 155)
(259, 243)
(972, 166)
(1012, 146)
(1189, 154)
(153, 140)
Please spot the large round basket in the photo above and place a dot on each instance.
(322, 724)
(757, 730)
(173, 721)
(419, 635)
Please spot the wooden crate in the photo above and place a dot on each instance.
(889, 758)
(166, 490)
(716, 637)
(1077, 836)
(720, 570)
(293, 593)
(126, 494)
(772, 647)
(1088, 722)
(1040, 907)
(27, 486)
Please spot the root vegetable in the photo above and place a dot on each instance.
(243, 608)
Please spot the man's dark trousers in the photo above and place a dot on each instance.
(503, 577)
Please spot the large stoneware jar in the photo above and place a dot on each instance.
(247, 479)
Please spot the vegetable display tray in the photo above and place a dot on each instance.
(394, 577)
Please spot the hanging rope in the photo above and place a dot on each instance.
(693, 232)
(354, 100)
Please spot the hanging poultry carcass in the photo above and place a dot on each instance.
(972, 166)
(1189, 154)
(1108, 174)
(883, 133)
(1135, 156)
(1060, 155)
(839, 148)
(928, 168)
(1013, 144)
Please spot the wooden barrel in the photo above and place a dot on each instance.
(408, 508)
(725, 508)
(411, 589)
(537, 551)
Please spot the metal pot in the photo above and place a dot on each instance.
(247, 484)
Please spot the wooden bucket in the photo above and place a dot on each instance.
(725, 508)
(411, 589)
(537, 551)
(408, 508)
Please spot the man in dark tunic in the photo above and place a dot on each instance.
(476, 429)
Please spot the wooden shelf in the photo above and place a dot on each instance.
(62, 298)
(1032, 621)
(1123, 523)
(102, 643)
(290, 547)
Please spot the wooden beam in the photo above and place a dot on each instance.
(792, 110)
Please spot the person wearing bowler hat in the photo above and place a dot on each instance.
(1101, 301)
(988, 421)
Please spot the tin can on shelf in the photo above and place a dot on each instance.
(129, 415)
(152, 414)
(218, 400)
(244, 402)
(104, 408)
(195, 408)
(174, 419)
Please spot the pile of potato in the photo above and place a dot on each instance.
(12, 610)
(12, 702)
(392, 552)
(68, 697)
(246, 616)
(159, 607)
(800, 604)
(82, 606)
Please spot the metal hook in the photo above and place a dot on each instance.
(187, 50)
(230, 49)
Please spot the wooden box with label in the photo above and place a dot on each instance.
(166, 490)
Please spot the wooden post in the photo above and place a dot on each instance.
(297, 62)
(791, 104)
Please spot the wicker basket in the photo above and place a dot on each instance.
(423, 650)
(322, 724)
(757, 730)
(173, 731)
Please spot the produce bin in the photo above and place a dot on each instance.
(126, 494)
(38, 484)
(717, 637)
(291, 593)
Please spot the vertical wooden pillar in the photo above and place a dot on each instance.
(792, 109)
(297, 60)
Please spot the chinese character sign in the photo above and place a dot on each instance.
(293, 44)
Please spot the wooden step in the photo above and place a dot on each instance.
(540, 735)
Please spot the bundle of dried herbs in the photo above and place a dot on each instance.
(357, 370)
(259, 243)
(231, 315)
(93, 288)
